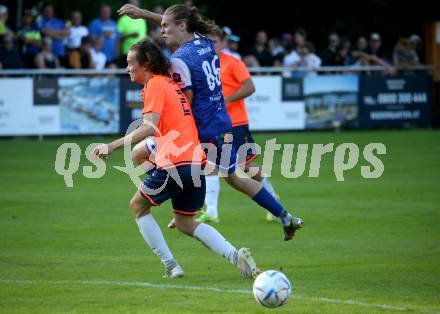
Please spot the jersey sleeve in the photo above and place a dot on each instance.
(181, 74)
(154, 97)
(240, 71)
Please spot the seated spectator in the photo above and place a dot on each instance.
(98, 57)
(403, 55)
(358, 54)
(46, 59)
(375, 49)
(308, 59)
(251, 61)
(29, 37)
(300, 37)
(291, 57)
(154, 32)
(232, 42)
(260, 50)
(9, 56)
(344, 56)
(277, 51)
(376, 56)
(82, 58)
(77, 31)
(4, 15)
(361, 43)
(131, 31)
(415, 43)
(105, 28)
(55, 29)
(329, 54)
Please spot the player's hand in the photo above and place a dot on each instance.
(131, 10)
(102, 151)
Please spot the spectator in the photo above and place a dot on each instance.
(277, 51)
(188, 3)
(77, 31)
(375, 54)
(154, 30)
(105, 28)
(415, 43)
(358, 55)
(361, 43)
(30, 39)
(375, 48)
(52, 27)
(260, 50)
(403, 55)
(329, 56)
(131, 31)
(98, 57)
(82, 58)
(4, 15)
(46, 59)
(292, 57)
(232, 43)
(9, 56)
(309, 60)
(344, 56)
(300, 37)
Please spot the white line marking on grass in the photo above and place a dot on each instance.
(214, 289)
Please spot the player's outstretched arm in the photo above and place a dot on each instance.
(137, 13)
(151, 119)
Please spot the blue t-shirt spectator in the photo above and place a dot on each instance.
(54, 24)
(109, 32)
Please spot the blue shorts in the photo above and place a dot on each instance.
(187, 199)
(225, 158)
(243, 136)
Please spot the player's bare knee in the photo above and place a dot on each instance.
(138, 208)
(135, 156)
(186, 225)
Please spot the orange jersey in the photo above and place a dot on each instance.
(177, 138)
(233, 73)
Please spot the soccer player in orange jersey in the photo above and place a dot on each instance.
(178, 157)
(237, 85)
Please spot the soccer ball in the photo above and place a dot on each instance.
(272, 288)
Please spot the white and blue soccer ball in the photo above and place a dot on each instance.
(272, 288)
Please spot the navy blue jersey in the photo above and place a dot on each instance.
(196, 66)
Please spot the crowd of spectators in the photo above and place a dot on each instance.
(46, 41)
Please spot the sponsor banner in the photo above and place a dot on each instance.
(267, 110)
(89, 105)
(292, 89)
(131, 102)
(59, 106)
(16, 106)
(331, 101)
(46, 91)
(395, 101)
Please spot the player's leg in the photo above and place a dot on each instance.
(141, 152)
(186, 204)
(211, 199)
(262, 197)
(263, 179)
(140, 204)
(242, 139)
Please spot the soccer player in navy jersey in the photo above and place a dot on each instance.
(196, 68)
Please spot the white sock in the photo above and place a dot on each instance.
(269, 187)
(211, 238)
(152, 234)
(211, 197)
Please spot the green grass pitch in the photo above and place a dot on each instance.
(368, 245)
